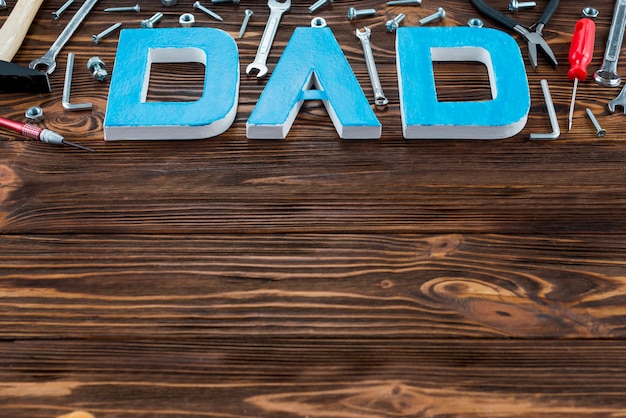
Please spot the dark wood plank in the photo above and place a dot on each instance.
(273, 377)
(381, 286)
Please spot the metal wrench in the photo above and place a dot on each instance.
(620, 100)
(607, 73)
(364, 37)
(47, 62)
(277, 9)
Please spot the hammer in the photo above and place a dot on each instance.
(13, 77)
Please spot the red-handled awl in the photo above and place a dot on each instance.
(580, 55)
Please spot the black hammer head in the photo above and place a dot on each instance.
(16, 79)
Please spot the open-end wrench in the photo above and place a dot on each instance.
(620, 100)
(277, 9)
(364, 37)
(607, 73)
(47, 62)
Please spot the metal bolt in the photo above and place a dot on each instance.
(211, 13)
(515, 5)
(600, 132)
(57, 14)
(169, 3)
(435, 17)
(149, 23)
(394, 23)
(590, 13)
(96, 38)
(353, 13)
(318, 4)
(34, 114)
(247, 15)
(96, 66)
(186, 20)
(225, 1)
(134, 8)
(404, 3)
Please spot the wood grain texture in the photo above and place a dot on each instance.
(312, 277)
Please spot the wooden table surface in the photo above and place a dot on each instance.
(312, 276)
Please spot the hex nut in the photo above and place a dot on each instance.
(590, 12)
(34, 114)
(475, 23)
(169, 2)
(187, 20)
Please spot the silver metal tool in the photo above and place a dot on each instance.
(106, 32)
(607, 73)
(67, 86)
(247, 15)
(393, 24)
(150, 22)
(515, 5)
(554, 122)
(600, 131)
(319, 3)
(47, 62)
(136, 8)
(354, 13)
(197, 5)
(620, 100)
(96, 66)
(440, 14)
(404, 3)
(277, 9)
(56, 15)
(364, 37)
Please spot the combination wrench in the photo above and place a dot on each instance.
(277, 9)
(47, 62)
(364, 37)
(607, 73)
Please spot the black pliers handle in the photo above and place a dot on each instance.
(534, 38)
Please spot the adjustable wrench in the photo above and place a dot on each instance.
(277, 9)
(47, 62)
(364, 37)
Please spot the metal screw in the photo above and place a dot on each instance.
(404, 3)
(600, 132)
(590, 13)
(248, 14)
(318, 4)
(435, 17)
(96, 38)
(57, 14)
(96, 66)
(134, 8)
(34, 114)
(394, 23)
(149, 23)
(515, 5)
(225, 1)
(211, 13)
(353, 13)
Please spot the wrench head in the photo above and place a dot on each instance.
(43, 64)
(616, 102)
(277, 5)
(255, 66)
(363, 34)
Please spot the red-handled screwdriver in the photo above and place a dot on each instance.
(580, 54)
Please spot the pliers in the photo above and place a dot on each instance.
(534, 38)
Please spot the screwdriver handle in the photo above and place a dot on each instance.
(581, 48)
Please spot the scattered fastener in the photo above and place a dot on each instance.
(211, 13)
(149, 23)
(3, 4)
(435, 17)
(600, 132)
(475, 23)
(394, 23)
(319, 3)
(353, 13)
(404, 3)
(106, 32)
(590, 13)
(67, 86)
(56, 15)
(169, 3)
(516, 5)
(225, 1)
(34, 114)
(186, 20)
(247, 15)
(136, 8)
(96, 66)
